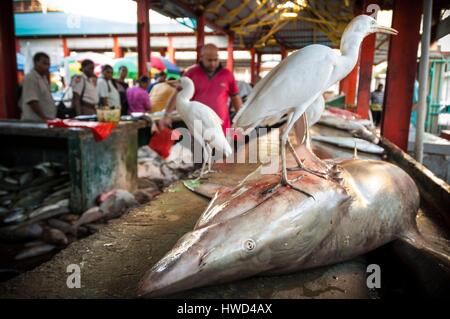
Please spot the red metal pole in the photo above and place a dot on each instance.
(365, 75)
(252, 66)
(365, 67)
(230, 58)
(143, 36)
(401, 72)
(65, 47)
(200, 32)
(17, 45)
(171, 51)
(258, 64)
(283, 52)
(349, 87)
(118, 52)
(8, 63)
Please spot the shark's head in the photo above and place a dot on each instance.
(209, 255)
(279, 230)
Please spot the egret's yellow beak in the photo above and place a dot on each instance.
(387, 30)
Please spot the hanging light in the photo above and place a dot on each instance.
(290, 10)
(289, 13)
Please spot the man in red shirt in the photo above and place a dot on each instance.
(214, 84)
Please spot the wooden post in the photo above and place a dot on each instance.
(230, 57)
(171, 51)
(365, 66)
(258, 65)
(348, 87)
(143, 36)
(66, 50)
(252, 66)
(401, 72)
(200, 32)
(118, 52)
(365, 75)
(283, 52)
(8, 63)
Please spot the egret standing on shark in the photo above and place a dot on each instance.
(204, 124)
(295, 87)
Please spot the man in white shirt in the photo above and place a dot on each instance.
(85, 97)
(107, 92)
(36, 102)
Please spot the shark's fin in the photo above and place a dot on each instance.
(207, 190)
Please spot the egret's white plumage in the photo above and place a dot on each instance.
(295, 86)
(203, 123)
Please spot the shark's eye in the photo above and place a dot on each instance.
(249, 244)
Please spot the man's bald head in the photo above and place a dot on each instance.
(210, 57)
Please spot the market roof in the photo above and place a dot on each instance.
(261, 24)
(63, 24)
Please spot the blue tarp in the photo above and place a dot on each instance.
(61, 23)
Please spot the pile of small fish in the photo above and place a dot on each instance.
(33, 194)
(34, 202)
(156, 173)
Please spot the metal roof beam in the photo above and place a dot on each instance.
(195, 12)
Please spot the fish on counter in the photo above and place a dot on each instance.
(26, 192)
(256, 229)
(350, 142)
(359, 128)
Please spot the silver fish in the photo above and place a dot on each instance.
(55, 236)
(356, 127)
(60, 208)
(259, 229)
(350, 142)
(34, 251)
(26, 178)
(16, 216)
(20, 233)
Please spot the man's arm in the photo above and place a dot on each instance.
(34, 105)
(76, 103)
(236, 101)
(102, 89)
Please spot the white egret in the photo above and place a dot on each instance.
(203, 123)
(295, 87)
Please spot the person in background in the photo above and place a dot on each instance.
(376, 106)
(138, 100)
(160, 78)
(413, 119)
(85, 96)
(122, 87)
(107, 91)
(36, 101)
(214, 85)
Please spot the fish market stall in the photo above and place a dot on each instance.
(93, 167)
(113, 260)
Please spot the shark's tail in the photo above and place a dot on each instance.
(437, 247)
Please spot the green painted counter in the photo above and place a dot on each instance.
(95, 167)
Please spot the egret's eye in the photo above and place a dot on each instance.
(249, 244)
